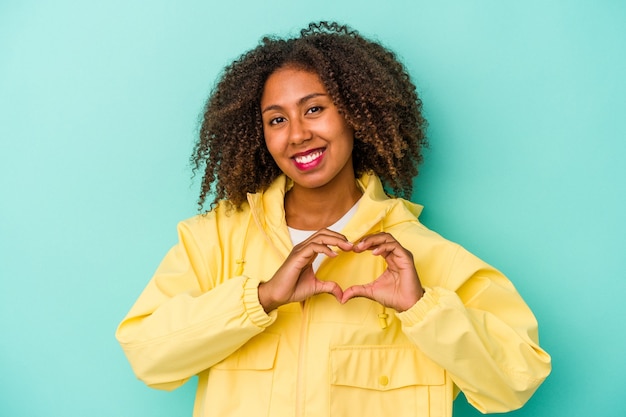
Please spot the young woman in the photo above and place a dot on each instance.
(307, 290)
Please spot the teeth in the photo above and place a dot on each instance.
(308, 158)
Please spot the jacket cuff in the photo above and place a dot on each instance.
(420, 310)
(253, 307)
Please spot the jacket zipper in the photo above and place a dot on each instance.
(302, 354)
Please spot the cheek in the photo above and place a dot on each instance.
(272, 147)
(348, 135)
(344, 130)
(270, 144)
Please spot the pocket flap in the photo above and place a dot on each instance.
(382, 368)
(259, 353)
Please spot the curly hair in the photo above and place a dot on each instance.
(367, 83)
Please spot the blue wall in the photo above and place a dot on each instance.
(99, 105)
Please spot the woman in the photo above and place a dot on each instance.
(306, 290)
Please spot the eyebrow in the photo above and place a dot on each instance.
(300, 102)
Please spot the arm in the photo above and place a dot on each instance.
(477, 327)
(188, 319)
(470, 321)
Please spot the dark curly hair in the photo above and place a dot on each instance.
(367, 83)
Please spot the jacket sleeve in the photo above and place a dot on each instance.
(477, 327)
(187, 319)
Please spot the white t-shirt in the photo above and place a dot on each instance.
(298, 236)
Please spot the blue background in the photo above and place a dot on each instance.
(99, 107)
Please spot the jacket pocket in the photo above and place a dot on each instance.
(241, 384)
(385, 380)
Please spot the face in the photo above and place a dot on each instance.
(304, 132)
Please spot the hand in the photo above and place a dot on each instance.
(398, 287)
(295, 280)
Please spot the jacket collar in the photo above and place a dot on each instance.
(268, 210)
(375, 213)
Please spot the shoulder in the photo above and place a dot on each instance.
(215, 221)
(415, 233)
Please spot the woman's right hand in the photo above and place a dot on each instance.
(295, 280)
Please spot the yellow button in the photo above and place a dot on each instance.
(383, 380)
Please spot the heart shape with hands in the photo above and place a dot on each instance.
(398, 287)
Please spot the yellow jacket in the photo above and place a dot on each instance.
(200, 315)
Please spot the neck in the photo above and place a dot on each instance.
(315, 209)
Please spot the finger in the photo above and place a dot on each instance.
(330, 287)
(320, 248)
(330, 233)
(327, 233)
(371, 241)
(339, 241)
(340, 244)
(300, 258)
(388, 248)
(355, 291)
(345, 246)
(397, 258)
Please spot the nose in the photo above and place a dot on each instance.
(298, 131)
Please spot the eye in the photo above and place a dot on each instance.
(314, 109)
(277, 120)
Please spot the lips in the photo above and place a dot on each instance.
(308, 160)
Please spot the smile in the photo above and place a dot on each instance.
(305, 159)
(308, 160)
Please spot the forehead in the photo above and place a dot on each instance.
(288, 85)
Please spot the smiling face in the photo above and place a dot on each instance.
(304, 132)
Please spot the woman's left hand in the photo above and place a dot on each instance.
(398, 287)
